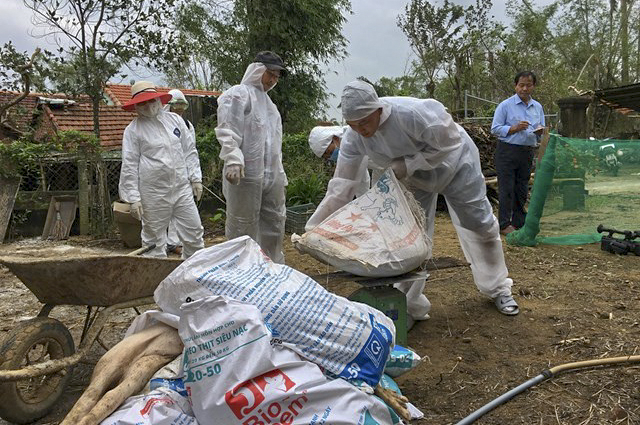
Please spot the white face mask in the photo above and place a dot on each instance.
(149, 109)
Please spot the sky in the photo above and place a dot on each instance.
(377, 47)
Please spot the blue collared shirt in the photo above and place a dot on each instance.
(513, 110)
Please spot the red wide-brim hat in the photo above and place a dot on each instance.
(143, 97)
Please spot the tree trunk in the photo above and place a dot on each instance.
(96, 116)
(624, 41)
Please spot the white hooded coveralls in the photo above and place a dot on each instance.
(250, 133)
(172, 232)
(159, 162)
(440, 157)
(320, 138)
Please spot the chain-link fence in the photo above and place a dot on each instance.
(93, 180)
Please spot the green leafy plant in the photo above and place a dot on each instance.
(306, 190)
(22, 156)
(219, 217)
(308, 175)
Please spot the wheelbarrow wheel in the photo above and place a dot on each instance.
(31, 342)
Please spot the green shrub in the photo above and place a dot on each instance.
(21, 156)
(308, 175)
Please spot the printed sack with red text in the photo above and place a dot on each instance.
(236, 373)
(380, 233)
(349, 339)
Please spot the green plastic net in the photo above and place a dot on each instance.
(579, 184)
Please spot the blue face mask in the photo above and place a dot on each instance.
(334, 155)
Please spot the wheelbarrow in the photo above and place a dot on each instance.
(37, 356)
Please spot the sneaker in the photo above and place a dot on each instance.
(507, 230)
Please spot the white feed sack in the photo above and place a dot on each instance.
(379, 234)
(237, 374)
(160, 407)
(349, 339)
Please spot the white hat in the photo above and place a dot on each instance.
(143, 91)
(320, 138)
(359, 100)
(177, 97)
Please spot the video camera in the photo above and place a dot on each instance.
(620, 246)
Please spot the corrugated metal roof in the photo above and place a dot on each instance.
(626, 99)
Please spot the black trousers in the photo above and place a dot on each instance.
(513, 166)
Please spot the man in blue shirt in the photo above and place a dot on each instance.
(518, 122)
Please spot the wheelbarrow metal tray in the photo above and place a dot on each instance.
(94, 281)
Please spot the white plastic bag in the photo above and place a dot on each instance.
(400, 361)
(381, 233)
(349, 339)
(160, 407)
(236, 374)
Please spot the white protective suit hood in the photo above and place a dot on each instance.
(253, 75)
(176, 97)
(320, 138)
(359, 100)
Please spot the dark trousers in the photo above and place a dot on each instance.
(513, 166)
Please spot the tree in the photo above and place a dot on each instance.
(18, 72)
(432, 32)
(305, 33)
(96, 38)
(453, 43)
(406, 85)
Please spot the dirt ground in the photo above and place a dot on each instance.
(577, 303)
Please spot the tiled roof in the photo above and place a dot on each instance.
(79, 117)
(121, 93)
(20, 115)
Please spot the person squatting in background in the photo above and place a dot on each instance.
(160, 172)
(250, 132)
(324, 142)
(431, 154)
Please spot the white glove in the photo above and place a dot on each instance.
(234, 173)
(399, 168)
(197, 190)
(136, 210)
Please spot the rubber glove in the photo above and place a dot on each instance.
(399, 168)
(136, 210)
(234, 173)
(197, 190)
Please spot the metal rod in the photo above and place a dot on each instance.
(45, 310)
(87, 321)
(216, 196)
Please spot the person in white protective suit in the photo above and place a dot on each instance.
(160, 172)
(250, 133)
(179, 105)
(324, 142)
(431, 154)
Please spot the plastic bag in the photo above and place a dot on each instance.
(349, 339)
(400, 361)
(237, 373)
(379, 234)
